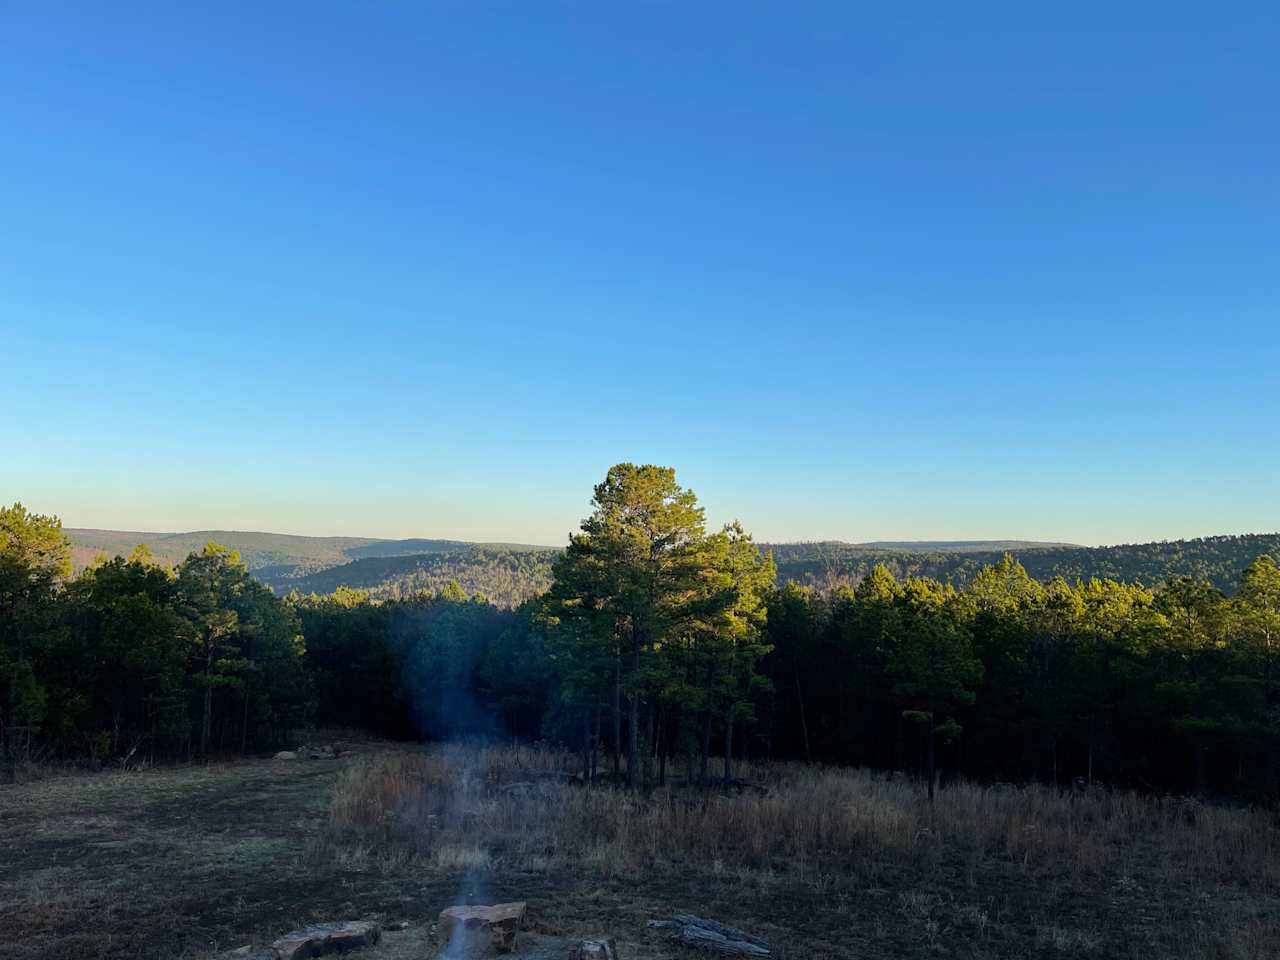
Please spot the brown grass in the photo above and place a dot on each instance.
(1108, 873)
(831, 864)
(812, 821)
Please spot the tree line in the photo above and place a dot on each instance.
(659, 647)
(1219, 560)
(1013, 678)
(133, 655)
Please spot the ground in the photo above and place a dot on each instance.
(191, 861)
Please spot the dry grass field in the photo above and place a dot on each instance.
(190, 861)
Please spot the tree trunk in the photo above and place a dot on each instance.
(705, 756)
(206, 718)
(633, 735)
(768, 733)
(617, 712)
(728, 750)
(651, 743)
(244, 720)
(1268, 736)
(933, 762)
(595, 740)
(1092, 734)
(898, 739)
(586, 744)
(804, 722)
(664, 736)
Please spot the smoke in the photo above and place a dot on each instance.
(468, 790)
(445, 644)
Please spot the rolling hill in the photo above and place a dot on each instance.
(510, 573)
(506, 577)
(1217, 559)
(272, 556)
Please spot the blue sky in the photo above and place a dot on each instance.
(428, 269)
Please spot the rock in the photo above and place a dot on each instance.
(326, 938)
(594, 948)
(398, 925)
(286, 755)
(473, 927)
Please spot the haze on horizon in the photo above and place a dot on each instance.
(427, 272)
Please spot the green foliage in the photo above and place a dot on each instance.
(663, 641)
(1218, 560)
(506, 577)
(509, 574)
(132, 655)
(34, 558)
(1014, 678)
(679, 612)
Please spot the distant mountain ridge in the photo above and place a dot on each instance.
(961, 546)
(1219, 560)
(509, 573)
(281, 553)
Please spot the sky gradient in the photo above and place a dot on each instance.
(428, 269)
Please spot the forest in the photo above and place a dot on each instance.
(510, 573)
(658, 648)
(1218, 560)
(505, 577)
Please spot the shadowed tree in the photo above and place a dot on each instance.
(1257, 612)
(1195, 658)
(129, 641)
(790, 629)
(209, 584)
(933, 662)
(729, 628)
(35, 556)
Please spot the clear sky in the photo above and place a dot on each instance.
(429, 268)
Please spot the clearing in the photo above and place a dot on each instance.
(194, 860)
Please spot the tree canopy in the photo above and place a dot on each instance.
(655, 643)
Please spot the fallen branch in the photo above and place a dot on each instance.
(759, 789)
(713, 936)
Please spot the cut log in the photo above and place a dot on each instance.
(713, 936)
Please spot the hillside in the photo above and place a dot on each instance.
(1217, 559)
(510, 573)
(959, 546)
(272, 556)
(506, 577)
